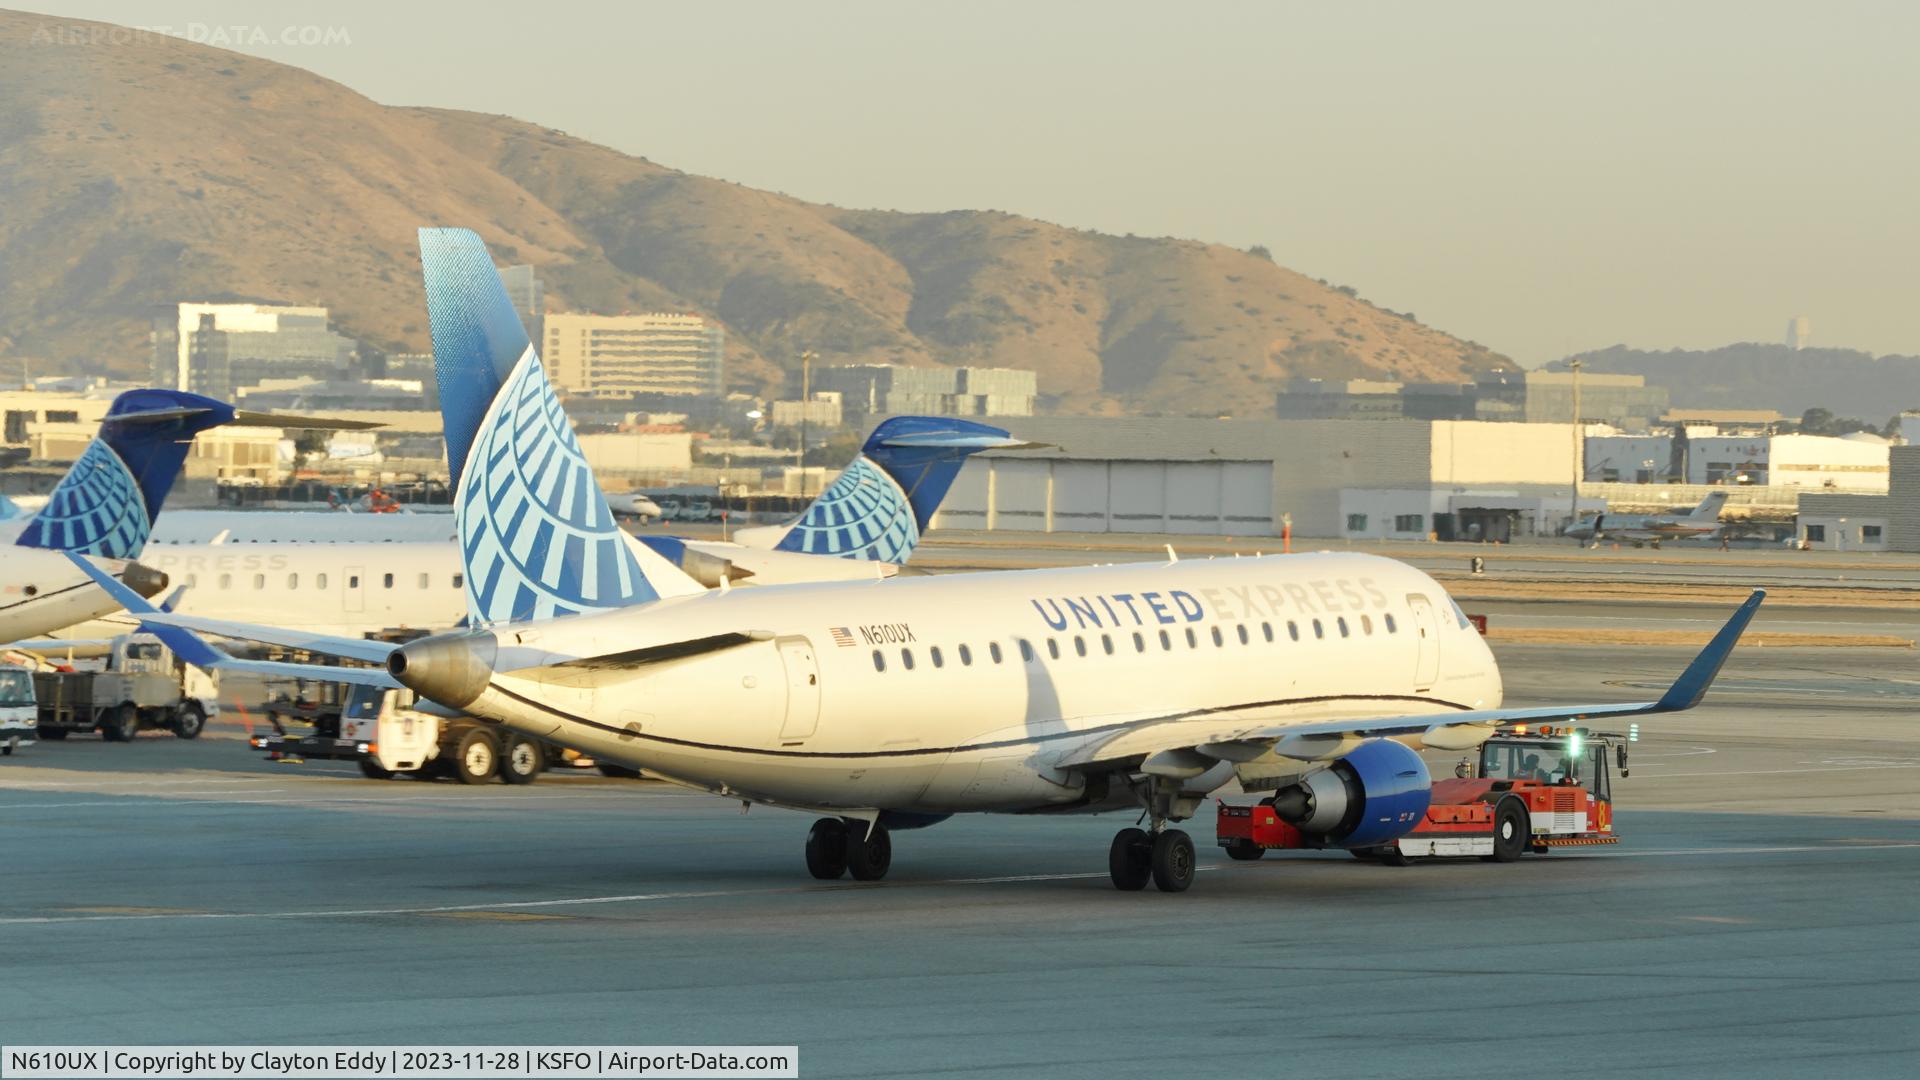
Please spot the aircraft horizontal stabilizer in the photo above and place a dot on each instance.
(175, 632)
(1241, 734)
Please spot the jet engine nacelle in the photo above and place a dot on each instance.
(1374, 795)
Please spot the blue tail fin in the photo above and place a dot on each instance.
(107, 502)
(535, 531)
(883, 502)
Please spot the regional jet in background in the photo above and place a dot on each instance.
(893, 705)
(1638, 529)
(105, 506)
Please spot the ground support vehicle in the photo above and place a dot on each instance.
(388, 737)
(19, 714)
(143, 685)
(1532, 790)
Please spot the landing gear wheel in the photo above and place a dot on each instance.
(1244, 851)
(189, 721)
(475, 758)
(522, 760)
(827, 849)
(123, 726)
(371, 769)
(1173, 861)
(617, 772)
(1130, 860)
(869, 854)
(1511, 832)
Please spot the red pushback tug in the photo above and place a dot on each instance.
(1535, 788)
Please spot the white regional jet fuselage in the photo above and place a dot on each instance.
(962, 692)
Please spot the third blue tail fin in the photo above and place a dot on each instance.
(882, 503)
(107, 502)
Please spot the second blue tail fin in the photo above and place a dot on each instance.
(881, 505)
(536, 534)
(107, 502)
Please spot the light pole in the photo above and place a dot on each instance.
(1573, 515)
(806, 395)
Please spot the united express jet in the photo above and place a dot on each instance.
(891, 705)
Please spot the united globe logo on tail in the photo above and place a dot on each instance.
(863, 515)
(96, 509)
(537, 536)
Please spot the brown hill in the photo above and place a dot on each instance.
(139, 170)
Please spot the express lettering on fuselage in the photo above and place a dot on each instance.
(1158, 607)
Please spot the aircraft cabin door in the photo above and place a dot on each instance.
(353, 596)
(1426, 624)
(803, 688)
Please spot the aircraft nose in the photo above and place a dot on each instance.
(144, 580)
(450, 669)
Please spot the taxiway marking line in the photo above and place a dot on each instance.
(708, 894)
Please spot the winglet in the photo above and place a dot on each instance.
(184, 643)
(1692, 684)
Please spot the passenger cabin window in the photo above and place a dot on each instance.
(388, 582)
(1139, 642)
(319, 581)
(934, 655)
(879, 660)
(259, 581)
(1218, 638)
(293, 581)
(424, 580)
(1026, 650)
(993, 650)
(1079, 645)
(459, 580)
(1318, 630)
(226, 581)
(193, 579)
(1391, 628)
(1341, 622)
(1293, 630)
(1165, 641)
(1242, 628)
(1266, 631)
(353, 581)
(1366, 624)
(966, 656)
(906, 659)
(1053, 648)
(1106, 643)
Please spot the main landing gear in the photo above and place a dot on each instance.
(1165, 857)
(837, 846)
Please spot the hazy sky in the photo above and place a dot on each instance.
(1538, 177)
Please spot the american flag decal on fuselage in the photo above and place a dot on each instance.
(842, 636)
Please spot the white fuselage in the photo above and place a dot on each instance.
(847, 704)
(41, 592)
(342, 589)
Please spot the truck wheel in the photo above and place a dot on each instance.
(522, 760)
(1244, 850)
(371, 769)
(475, 757)
(122, 726)
(1512, 832)
(189, 721)
(618, 772)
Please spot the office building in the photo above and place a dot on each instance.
(216, 349)
(627, 356)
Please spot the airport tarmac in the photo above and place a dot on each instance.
(1759, 919)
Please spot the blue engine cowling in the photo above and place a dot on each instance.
(1375, 795)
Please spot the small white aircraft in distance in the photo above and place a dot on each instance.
(895, 704)
(1701, 521)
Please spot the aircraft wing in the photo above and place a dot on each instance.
(177, 631)
(1188, 745)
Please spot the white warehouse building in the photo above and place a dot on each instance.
(1855, 462)
(1332, 478)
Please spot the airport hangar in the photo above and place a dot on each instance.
(1334, 478)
